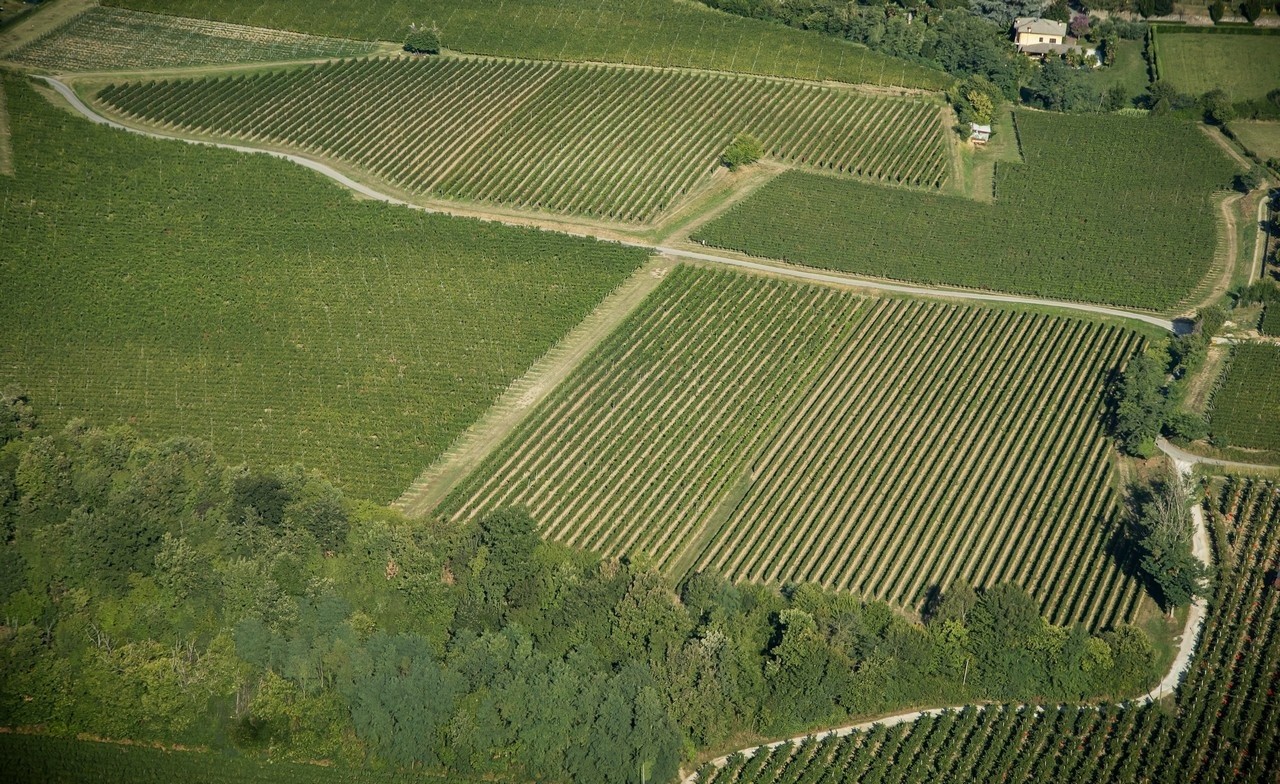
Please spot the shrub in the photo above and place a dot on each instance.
(1217, 10)
(1252, 9)
(423, 41)
(744, 150)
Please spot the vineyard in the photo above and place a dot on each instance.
(243, 301)
(1056, 228)
(1225, 725)
(663, 33)
(110, 39)
(1245, 410)
(775, 432)
(615, 143)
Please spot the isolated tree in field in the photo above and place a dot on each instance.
(1164, 523)
(423, 40)
(743, 151)
(1217, 10)
(1217, 107)
(1252, 9)
(1139, 406)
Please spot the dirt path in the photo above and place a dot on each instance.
(526, 392)
(1182, 456)
(1187, 642)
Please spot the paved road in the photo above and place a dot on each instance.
(786, 270)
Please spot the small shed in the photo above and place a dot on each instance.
(980, 134)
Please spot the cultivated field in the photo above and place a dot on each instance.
(109, 39)
(245, 301)
(1260, 138)
(6, 142)
(1095, 214)
(675, 33)
(1226, 726)
(1245, 66)
(1245, 410)
(615, 143)
(777, 432)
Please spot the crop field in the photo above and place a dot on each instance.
(6, 142)
(1245, 66)
(778, 432)
(615, 143)
(111, 39)
(664, 33)
(1245, 410)
(199, 292)
(1260, 138)
(1152, 253)
(1225, 727)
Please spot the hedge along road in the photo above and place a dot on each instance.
(1177, 669)
(773, 268)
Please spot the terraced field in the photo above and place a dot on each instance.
(615, 143)
(777, 432)
(110, 39)
(1225, 725)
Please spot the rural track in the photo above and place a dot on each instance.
(1184, 463)
(772, 268)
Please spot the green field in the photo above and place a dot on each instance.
(1225, 725)
(615, 143)
(109, 39)
(1109, 209)
(774, 432)
(1260, 138)
(243, 300)
(642, 32)
(1245, 66)
(1245, 410)
(1129, 71)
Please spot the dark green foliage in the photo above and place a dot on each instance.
(1164, 532)
(423, 40)
(1217, 107)
(744, 150)
(1059, 87)
(1163, 7)
(1217, 9)
(1057, 10)
(1139, 405)
(16, 415)
(1251, 9)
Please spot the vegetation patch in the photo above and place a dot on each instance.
(1245, 66)
(1225, 726)
(190, 290)
(113, 39)
(616, 143)
(1112, 209)
(6, 141)
(780, 433)
(1260, 138)
(1246, 408)
(667, 33)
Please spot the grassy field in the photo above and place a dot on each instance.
(244, 300)
(1095, 214)
(1260, 138)
(6, 141)
(108, 39)
(1246, 408)
(1245, 66)
(615, 143)
(776, 432)
(642, 32)
(1225, 725)
(1129, 71)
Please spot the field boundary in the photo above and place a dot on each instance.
(524, 394)
(6, 143)
(743, 262)
(1187, 643)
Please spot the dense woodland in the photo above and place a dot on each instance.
(152, 592)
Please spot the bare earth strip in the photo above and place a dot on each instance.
(528, 391)
(6, 148)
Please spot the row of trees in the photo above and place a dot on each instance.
(150, 592)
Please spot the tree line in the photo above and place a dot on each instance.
(149, 591)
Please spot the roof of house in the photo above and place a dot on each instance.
(976, 128)
(1037, 26)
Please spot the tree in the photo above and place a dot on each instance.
(744, 150)
(1249, 181)
(1057, 10)
(1164, 522)
(1252, 9)
(1217, 10)
(1163, 7)
(1146, 7)
(423, 40)
(1116, 97)
(1003, 12)
(1079, 25)
(16, 415)
(1139, 406)
(1217, 107)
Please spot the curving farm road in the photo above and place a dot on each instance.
(774, 268)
